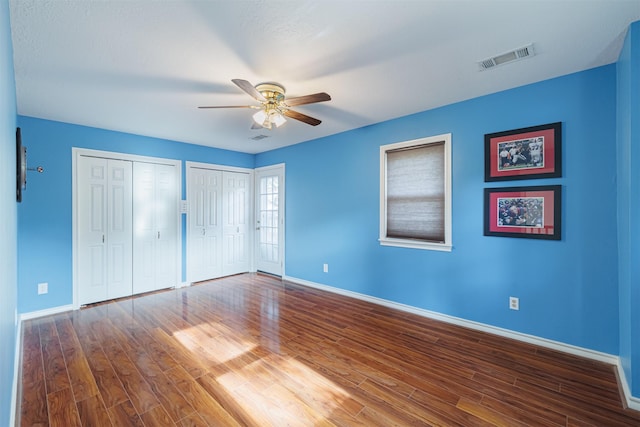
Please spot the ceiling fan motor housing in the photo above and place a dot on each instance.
(273, 92)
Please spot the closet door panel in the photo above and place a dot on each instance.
(155, 227)
(119, 224)
(166, 218)
(104, 228)
(235, 255)
(144, 235)
(204, 254)
(92, 205)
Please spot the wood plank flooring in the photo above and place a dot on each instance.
(250, 350)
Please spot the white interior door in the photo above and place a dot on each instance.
(235, 217)
(270, 219)
(104, 207)
(204, 257)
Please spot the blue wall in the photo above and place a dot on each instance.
(628, 147)
(8, 216)
(567, 288)
(45, 226)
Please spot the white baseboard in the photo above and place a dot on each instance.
(16, 367)
(47, 312)
(631, 401)
(16, 374)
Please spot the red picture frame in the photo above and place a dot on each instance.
(529, 212)
(526, 153)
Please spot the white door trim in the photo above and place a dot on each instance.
(76, 152)
(211, 166)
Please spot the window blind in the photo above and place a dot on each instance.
(416, 192)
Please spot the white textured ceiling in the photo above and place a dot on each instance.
(144, 66)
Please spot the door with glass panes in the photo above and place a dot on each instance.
(269, 191)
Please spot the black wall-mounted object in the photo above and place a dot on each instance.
(21, 166)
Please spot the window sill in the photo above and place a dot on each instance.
(415, 244)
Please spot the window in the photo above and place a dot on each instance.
(415, 193)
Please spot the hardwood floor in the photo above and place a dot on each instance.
(250, 350)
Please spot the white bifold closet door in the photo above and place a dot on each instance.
(155, 214)
(104, 229)
(218, 242)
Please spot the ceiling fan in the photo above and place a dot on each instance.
(273, 104)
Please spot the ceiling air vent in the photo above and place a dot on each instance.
(259, 137)
(514, 55)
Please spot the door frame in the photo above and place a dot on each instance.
(212, 166)
(281, 212)
(76, 152)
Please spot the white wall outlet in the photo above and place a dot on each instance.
(514, 303)
(325, 268)
(43, 288)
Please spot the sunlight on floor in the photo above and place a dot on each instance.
(251, 374)
(216, 349)
(273, 388)
(283, 391)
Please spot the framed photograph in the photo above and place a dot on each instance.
(529, 212)
(527, 153)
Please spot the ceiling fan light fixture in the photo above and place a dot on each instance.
(260, 117)
(268, 117)
(277, 119)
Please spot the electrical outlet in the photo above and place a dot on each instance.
(514, 303)
(325, 268)
(43, 288)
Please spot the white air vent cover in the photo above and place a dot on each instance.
(511, 56)
(258, 137)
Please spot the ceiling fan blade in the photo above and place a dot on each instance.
(248, 87)
(308, 99)
(230, 106)
(254, 125)
(302, 117)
